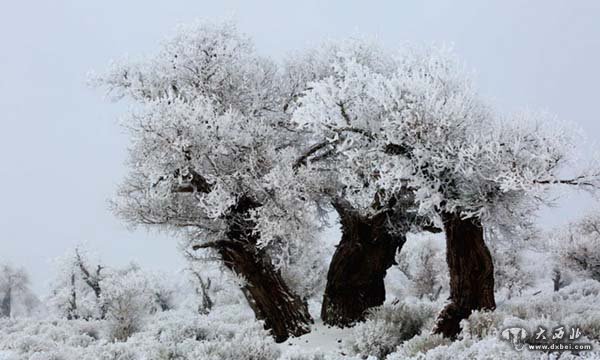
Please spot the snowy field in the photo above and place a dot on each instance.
(398, 330)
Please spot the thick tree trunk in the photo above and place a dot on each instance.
(5, 305)
(355, 280)
(283, 311)
(471, 273)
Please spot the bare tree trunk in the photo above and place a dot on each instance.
(206, 303)
(5, 305)
(283, 311)
(471, 273)
(72, 311)
(355, 280)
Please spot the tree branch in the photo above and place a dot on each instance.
(581, 180)
(194, 183)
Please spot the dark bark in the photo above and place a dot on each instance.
(471, 273)
(93, 281)
(206, 303)
(6, 304)
(72, 310)
(557, 279)
(355, 280)
(283, 311)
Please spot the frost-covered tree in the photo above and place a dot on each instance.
(373, 226)
(15, 295)
(208, 140)
(76, 291)
(130, 295)
(423, 128)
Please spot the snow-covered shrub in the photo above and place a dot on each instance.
(481, 324)
(174, 327)
(575, 305)
(418, 345)
(128, 298)
(589, 324)
(388, 326)
(489, 348)
(244, 347)
(182, 334)
(178, 326)
(32, 337)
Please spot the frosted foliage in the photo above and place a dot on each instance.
(128, 296)
(210, 125)
(171, 335)
(424, 126)
(214, 122)
(387, 327)
(70, 294)
(200, 60)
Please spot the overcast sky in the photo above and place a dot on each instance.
(62, 152)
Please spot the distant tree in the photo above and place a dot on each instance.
(14, 290)
(76, 291)
(202, 287)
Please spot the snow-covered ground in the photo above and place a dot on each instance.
(321, 339)
(230, 332)
(400, 329)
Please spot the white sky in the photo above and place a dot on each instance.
(62, 153)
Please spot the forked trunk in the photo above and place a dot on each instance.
(355, 280)
(283, 311)
(471, 273)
